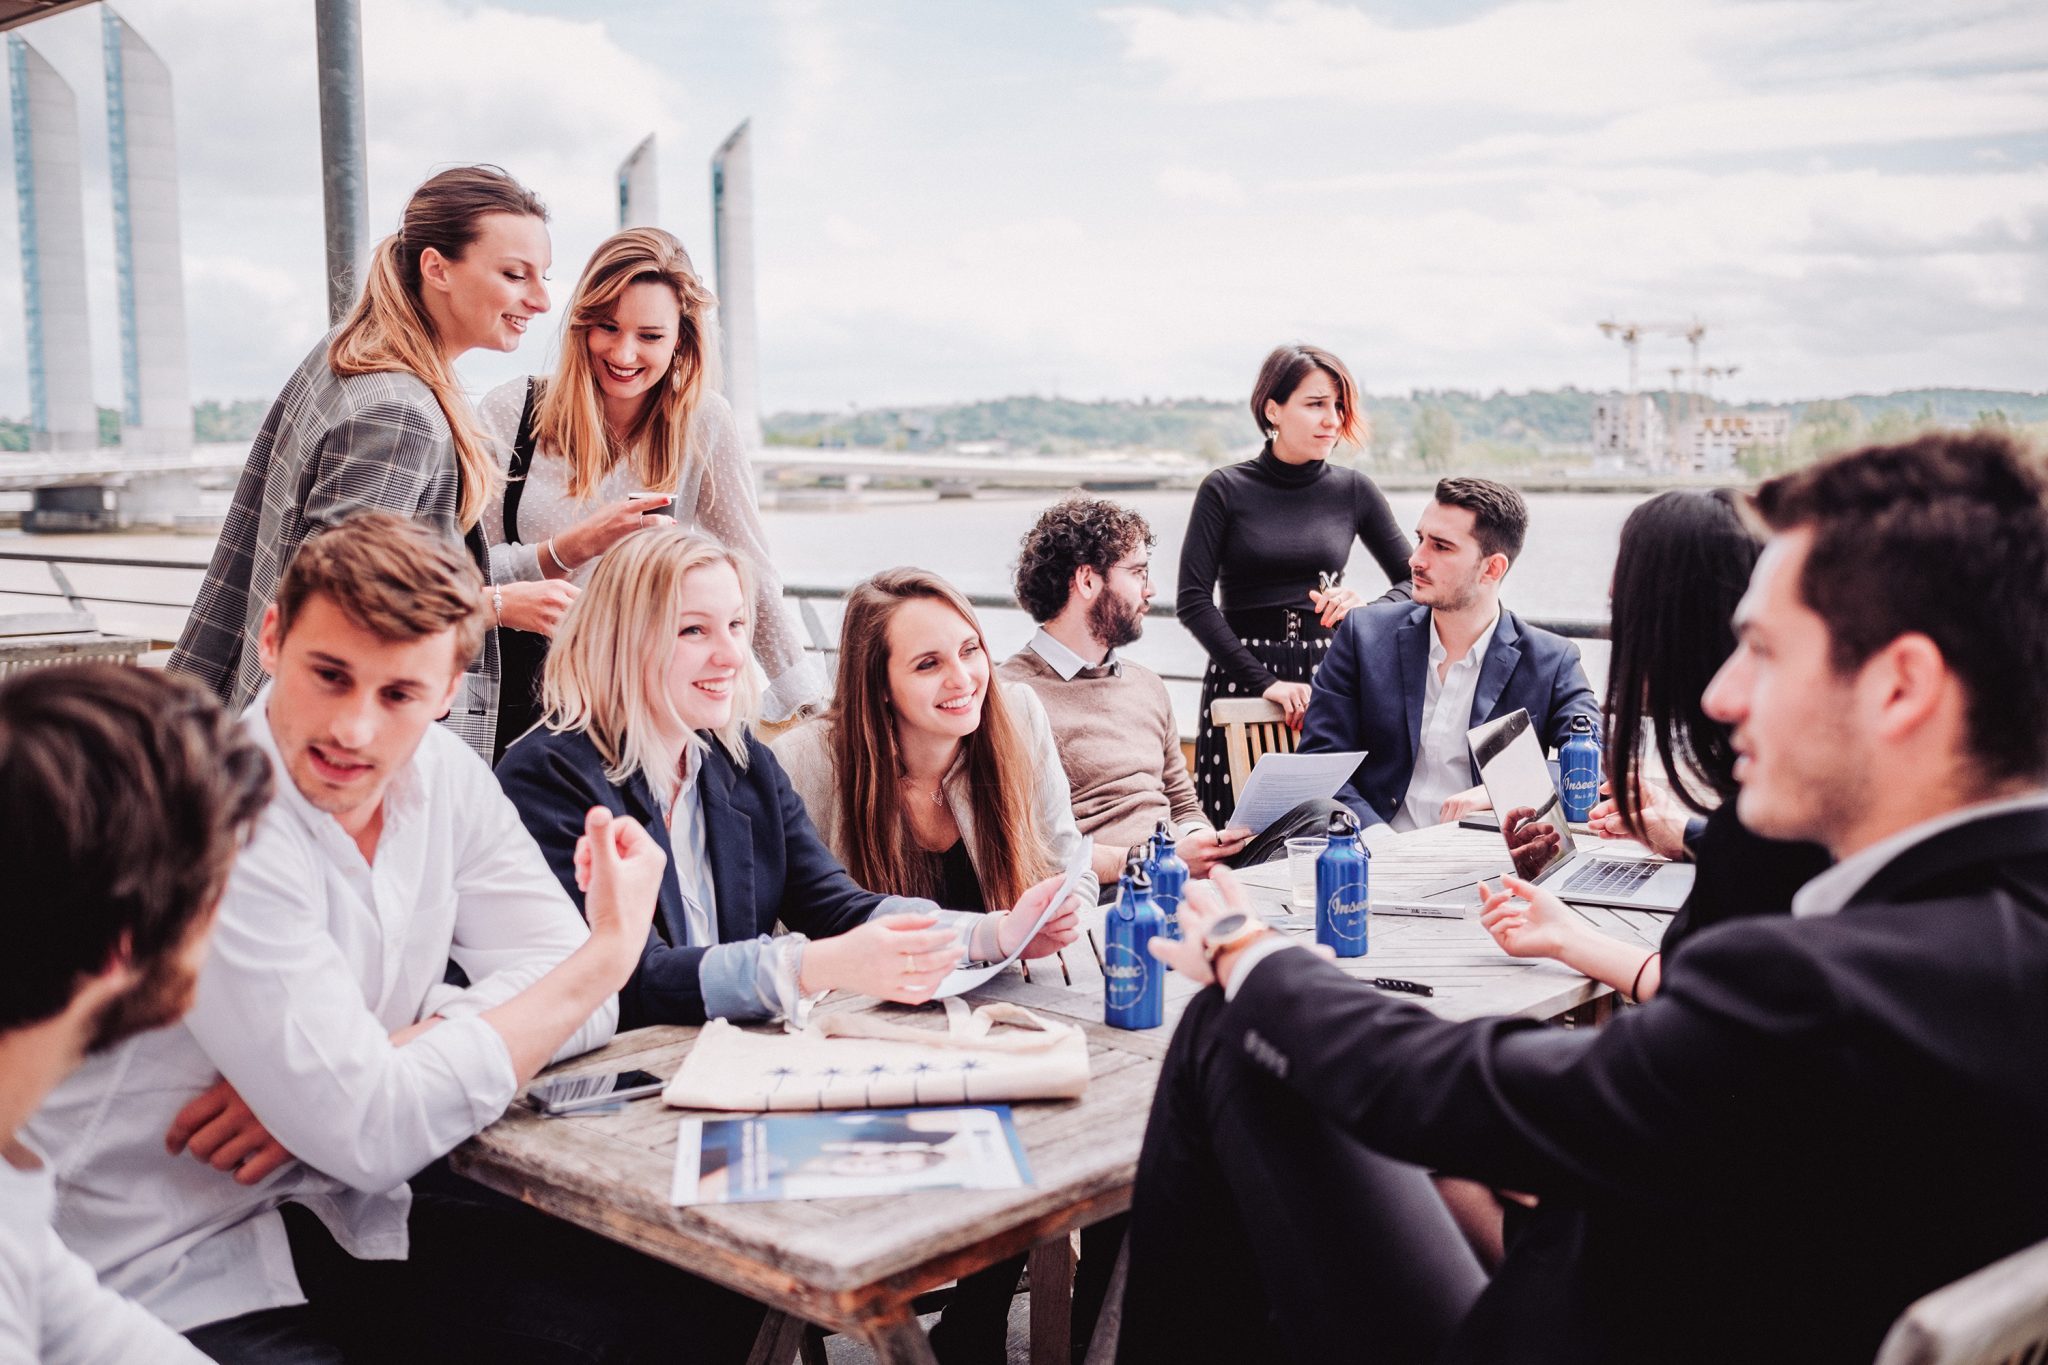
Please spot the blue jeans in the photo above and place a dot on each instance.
(487, 1279)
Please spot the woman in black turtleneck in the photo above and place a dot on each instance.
(1264, 530)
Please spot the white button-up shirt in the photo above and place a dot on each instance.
(52, 1310)
(1443, 760)
(317, 957)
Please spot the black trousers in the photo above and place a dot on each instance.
(1310, 817)
(487, 1280)
(1261, 1232)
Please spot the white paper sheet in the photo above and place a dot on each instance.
(967, 978)
(1280, 782)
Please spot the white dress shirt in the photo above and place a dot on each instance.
(52, 1309)
(317, 957)
(1831, 890)
(1443, 760)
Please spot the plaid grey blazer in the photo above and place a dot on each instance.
(330, 447)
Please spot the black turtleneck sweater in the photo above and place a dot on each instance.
(1263, 530)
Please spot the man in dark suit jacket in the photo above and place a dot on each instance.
(1818, 1119)
(1404, 681)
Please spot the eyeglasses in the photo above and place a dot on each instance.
(1142, 571)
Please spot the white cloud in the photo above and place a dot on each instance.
(1201, 186)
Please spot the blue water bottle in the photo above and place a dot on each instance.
(1343, 888)
(1133, 981)
(1578, 770)
(1169, 878)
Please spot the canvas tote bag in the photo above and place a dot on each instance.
(857, 1061)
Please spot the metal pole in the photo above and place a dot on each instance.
(344, 165)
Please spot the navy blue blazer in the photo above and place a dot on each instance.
(767, 862)
(1369, 692)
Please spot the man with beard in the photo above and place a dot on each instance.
(1818, 1118)
(1085, 575)
(123, 797)
(1405, 681)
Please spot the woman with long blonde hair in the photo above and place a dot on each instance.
(648, 694)
(374, 418)
(631, 425)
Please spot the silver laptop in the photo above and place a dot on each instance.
(1511, 764)
(1510, 759)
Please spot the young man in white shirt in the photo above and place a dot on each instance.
(244, 1175)
(123, 795)
(1405, 681)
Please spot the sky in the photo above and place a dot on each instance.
(964, 199)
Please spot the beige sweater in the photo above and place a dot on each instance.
(1120, 745)
(806, 756)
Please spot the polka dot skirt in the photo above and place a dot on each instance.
(1290, 661)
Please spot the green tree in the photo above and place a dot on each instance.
(1436, 437)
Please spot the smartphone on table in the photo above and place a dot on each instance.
(568, 1094)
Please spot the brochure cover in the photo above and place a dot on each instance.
(843, 1155)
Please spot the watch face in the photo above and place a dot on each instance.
(1227, 928)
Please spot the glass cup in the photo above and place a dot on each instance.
(1301, 869)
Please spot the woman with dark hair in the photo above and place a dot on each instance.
(630, 426)
(375, 418)
(1684, 562)
(1274, 534)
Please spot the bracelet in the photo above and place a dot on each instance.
(1635, 987)
(498, 604)
(549, 546)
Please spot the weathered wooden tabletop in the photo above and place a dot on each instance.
(854, 1265)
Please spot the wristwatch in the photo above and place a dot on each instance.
(1228, 932)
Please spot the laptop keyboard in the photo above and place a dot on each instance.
(1610, 876)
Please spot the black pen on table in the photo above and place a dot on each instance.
(1394, 983)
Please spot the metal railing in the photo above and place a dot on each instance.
(805, 595)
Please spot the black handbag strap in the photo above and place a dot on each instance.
(522, 460)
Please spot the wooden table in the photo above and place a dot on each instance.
(854, 1266)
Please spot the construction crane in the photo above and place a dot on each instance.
(1713, 372)
(1632, 333)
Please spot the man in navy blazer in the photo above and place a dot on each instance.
(1404, 681)
(1817, 1119)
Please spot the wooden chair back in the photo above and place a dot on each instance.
(1252, 728)
(1995, 1316)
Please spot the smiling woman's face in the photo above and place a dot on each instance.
(710, 646)
(938, 670)
(630, 352)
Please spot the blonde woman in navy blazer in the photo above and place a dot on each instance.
(648, 691)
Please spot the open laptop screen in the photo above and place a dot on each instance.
(1511, 764)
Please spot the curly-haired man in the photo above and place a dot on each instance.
(1084, 574)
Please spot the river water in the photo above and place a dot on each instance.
(1563, 571)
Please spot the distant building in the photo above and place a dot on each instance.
(1712, 444)
(1628, 431)
(52, 205)
(732, 240)
(639, 188)
(156, 411)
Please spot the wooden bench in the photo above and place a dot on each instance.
(1252, 728)
(1996, 1316)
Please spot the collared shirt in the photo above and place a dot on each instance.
(1066, 662)
(52, 1308)
(318, 956)
(1827, 893)
(1443, 764)
(754, 978)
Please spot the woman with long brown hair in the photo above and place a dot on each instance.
(928, 778)
(924, 777)
(375, 418)
(630, 425)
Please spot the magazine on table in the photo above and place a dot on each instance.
(848, 1154)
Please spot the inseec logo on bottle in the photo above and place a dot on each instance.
(1123, 975)
(1348, 910)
